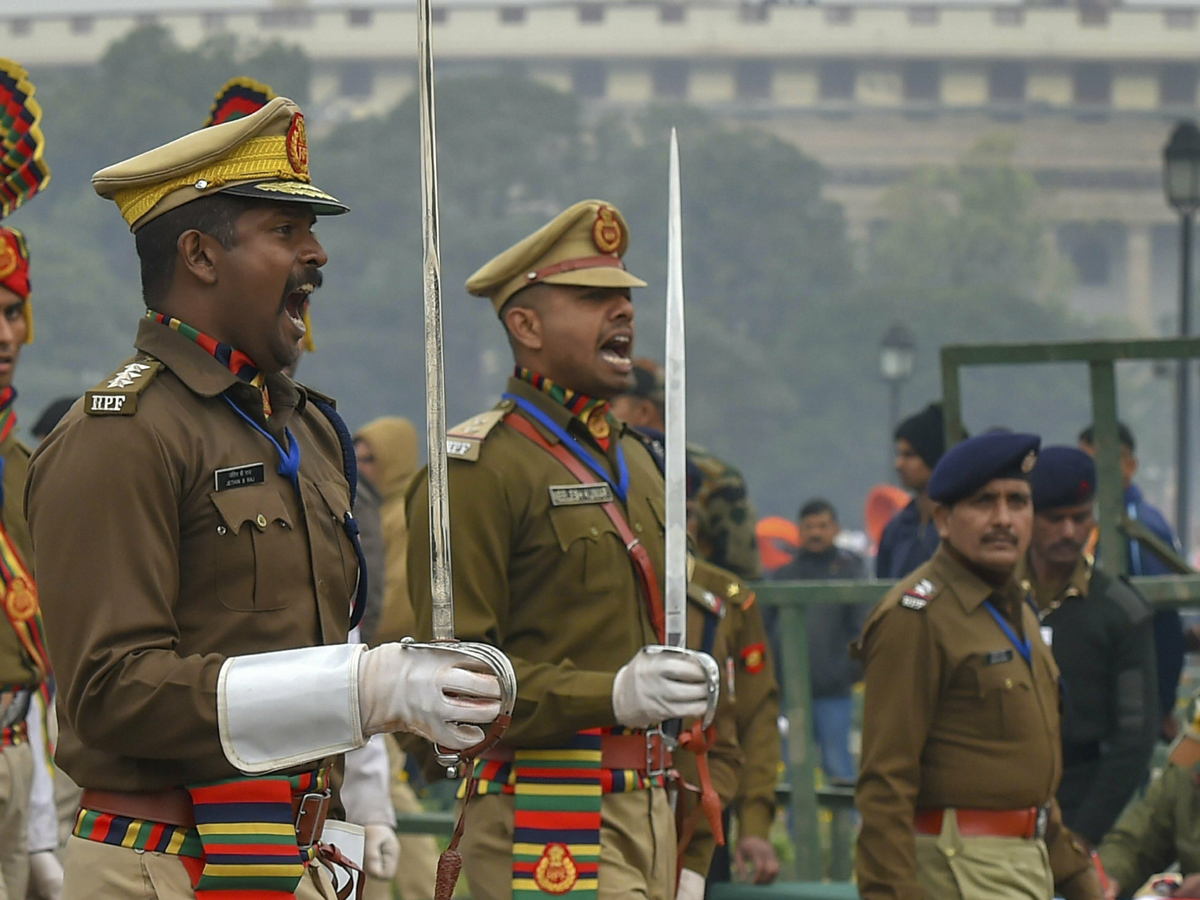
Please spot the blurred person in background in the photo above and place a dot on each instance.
(386, 450)
(721, 518)
(720, 514)
(1101, 632)
(911, 537)
(1169, 641)
(831, 627)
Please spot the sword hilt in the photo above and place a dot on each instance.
(712, 675)
(453, 760)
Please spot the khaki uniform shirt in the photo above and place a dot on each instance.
(952, 717)
(15, 665)
(152, 576)
(1158, 830)
(551, 586)
(745, 761)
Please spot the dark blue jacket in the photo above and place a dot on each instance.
(904, 544)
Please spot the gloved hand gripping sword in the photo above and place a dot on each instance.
(485, 656)
(701, 735)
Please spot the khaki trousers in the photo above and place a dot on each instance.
(16, 776)
(951, 867)
(637, 847)
(95, 871)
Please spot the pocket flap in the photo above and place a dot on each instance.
(1006, 676)
(574, 523)
(336, 496)
(258, 504)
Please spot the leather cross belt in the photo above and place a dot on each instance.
(1028, 823)
(617, 751)
(174, 807)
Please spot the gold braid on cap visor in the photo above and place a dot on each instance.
(260, 157)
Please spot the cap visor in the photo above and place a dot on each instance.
(322, 204)
(599, 277)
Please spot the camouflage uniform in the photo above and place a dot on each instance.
(722, 515)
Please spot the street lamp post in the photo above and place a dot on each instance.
(1181, 182)
(896, 357)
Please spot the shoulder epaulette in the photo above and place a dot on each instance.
(1126, 597)
(317, 395)
(715, 589)
(653, 445)
(117, 395)
(918, 596)
(465, 440)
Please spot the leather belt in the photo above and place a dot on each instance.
(617, 751)
(174, 807)
(1028, 823)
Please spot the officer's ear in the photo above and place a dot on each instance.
(524, 325)
(197, 254)
(941, 520)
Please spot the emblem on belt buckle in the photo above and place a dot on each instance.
(666, 744)
(322, 798)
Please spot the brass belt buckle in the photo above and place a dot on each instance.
(656, 763)
(322, 798)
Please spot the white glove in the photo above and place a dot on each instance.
(691, 885)
(381, 852)
(654, 687)
(438, 694)
(45, 876)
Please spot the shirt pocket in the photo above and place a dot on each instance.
(339, 567)
(1006, 693)
(595, 555)
(255, 547)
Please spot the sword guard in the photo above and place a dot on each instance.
(454, 760)
(712, 675)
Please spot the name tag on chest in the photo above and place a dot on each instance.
(240, 476)
(579, 494)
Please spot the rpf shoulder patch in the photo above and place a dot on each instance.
(918, 596)
(464, 440)
(117, 395)
(754, 657)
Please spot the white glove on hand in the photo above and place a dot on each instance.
(381, 852)
(438, 694)
(691, 886)
(45, 876)
(654, 687)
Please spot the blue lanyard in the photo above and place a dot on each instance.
(1024, 647)
(289, 461)
(621, 486)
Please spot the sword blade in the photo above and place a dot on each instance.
(676, 413)
(440, 578)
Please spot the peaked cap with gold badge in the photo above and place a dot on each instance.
(582, 246)
(263, 156)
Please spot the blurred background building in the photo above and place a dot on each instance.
(871, 90)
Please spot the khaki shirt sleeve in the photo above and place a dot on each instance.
(1142, 843)
(102, 503)
(555, 700)
(757, 709)
(900, 700)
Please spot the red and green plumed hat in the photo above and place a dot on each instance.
(241, 97)
(23, 172)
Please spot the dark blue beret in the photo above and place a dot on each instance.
(970, 464)
(1063, 476)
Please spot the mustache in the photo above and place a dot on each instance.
(1067, 544)
(1000, 536)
